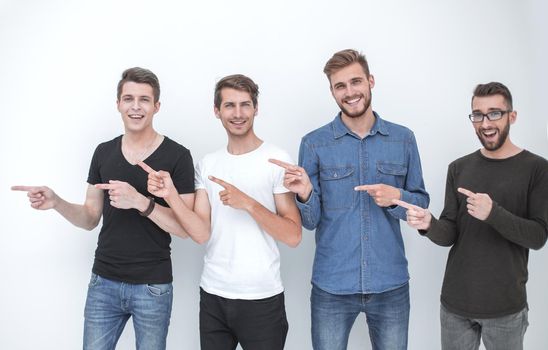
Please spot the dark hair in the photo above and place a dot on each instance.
(494, 88)
(140, 76)
(343, 59)
(238, 82)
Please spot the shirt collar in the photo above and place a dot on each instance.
(340, 129)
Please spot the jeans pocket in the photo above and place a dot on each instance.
(158, 290)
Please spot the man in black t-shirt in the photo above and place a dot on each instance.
(132, 269)
(495, 211)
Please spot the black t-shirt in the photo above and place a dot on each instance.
(131, 248)
(486, 269)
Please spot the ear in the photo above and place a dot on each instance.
(513, 116)
(371, 81)
(217, 112)
(156, 107)
(256, 110)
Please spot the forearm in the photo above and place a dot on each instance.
(166, 220)
(524, 232)
(283, 229)
(442, 232)
(190, 223)
(77, 214)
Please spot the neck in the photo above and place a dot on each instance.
(243, 144)
(360, 125)
(140, 139)
(507, 150)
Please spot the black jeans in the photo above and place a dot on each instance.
(259, 324)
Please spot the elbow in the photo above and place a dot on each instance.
(540, 243)
(89, 226)
(294, 240)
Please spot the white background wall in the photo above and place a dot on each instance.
(59, 65)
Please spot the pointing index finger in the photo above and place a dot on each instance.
(146, 167)
(22, 188)
(105, 186)
(284, 165)
(405, 205)
(466, 192)
(365, 187)
(223, 183)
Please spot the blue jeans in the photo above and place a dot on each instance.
(110, 304)
(501, 333)
(387, 316)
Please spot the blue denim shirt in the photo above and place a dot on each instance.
(359, 247)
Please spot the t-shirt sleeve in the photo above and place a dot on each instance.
(279, 173)
(198, 176)
(183, 173)
(94, 175)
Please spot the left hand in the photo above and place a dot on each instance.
(479, 204)
(121, 194)
(232, 196)
(382, 194)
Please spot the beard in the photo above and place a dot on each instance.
(361, 111)
(494, 145)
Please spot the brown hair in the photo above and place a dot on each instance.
(343, 59)
(494, 88)
(140, 76)
(238, 82)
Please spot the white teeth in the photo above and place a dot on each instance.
(353, 101)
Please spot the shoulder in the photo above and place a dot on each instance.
(173, 146)
(320, 133)
(397, 130)
(108, 147)
(465, 160)
(272, 151)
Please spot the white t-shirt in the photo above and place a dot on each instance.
(242, 261)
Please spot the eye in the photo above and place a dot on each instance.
(494, 115)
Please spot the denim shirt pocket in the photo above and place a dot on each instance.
(337, 187)
(392, 174)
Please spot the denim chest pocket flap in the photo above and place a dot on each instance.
(391, 173)
(392, 168)
(336, 173)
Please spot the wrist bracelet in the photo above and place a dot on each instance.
(150, 207)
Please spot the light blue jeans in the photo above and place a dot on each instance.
(387, 316)
(501, 333)
(110, 304)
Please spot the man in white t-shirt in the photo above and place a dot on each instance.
(241, 210)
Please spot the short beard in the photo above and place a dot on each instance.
(360, 113)
(503, 135)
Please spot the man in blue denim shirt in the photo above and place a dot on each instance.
(351, 170)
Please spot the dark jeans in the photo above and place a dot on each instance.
(256, 324)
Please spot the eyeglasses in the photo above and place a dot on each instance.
(477, 117)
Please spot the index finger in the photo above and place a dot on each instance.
(365, 187)
(465, 192)
(146, 167)
(223, 183)
(405, 205)
(105, 186)
(23, 188)
(282, 164)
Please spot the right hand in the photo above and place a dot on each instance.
(159, 183)
(40, 197)
(417, 217)
(295, 179)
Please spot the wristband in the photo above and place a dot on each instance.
(150, 207)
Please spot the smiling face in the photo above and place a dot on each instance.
(493, 135)
(137, 107)
(351, 88)
(236, 112)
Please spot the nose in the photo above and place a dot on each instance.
(485, 122)
(136, 105)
